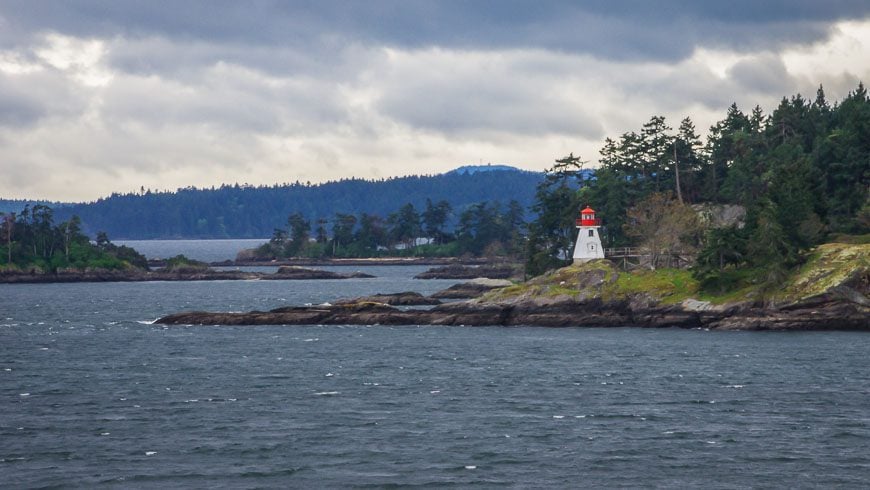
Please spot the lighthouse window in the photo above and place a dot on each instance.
(591, 232)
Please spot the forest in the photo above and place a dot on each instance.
(244, 211)
(486, 228)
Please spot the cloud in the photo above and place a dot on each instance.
(459, 92)
(631, 29)
(763, 74)
(98, 97)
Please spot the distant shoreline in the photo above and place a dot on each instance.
(350, 261)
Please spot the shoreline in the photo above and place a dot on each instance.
(283, 274)
(374, 261)
(828, 315)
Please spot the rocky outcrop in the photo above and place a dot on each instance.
(292, 272)
(471, 289)
(407, 298)
(593, 313)
(456, 271)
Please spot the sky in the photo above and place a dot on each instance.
(111, 96)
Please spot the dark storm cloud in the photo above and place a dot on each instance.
(607, 29)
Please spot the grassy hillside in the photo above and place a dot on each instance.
(829, 267)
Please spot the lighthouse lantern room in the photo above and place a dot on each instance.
(588, 239)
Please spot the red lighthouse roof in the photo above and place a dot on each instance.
(587, 218)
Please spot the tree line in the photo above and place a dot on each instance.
(485, 228)
(32, 242)
(244, 211)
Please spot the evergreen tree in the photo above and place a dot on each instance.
(557, 202)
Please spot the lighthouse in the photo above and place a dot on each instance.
(588, 239)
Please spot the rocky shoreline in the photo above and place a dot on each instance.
(308, 262)
(833, 315)
(192, 274)
(830, 293)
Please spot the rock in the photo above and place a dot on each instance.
(407, 298)
(557, 312)
(472, 289)
(457, 271)
(695, 305)
(359, 275)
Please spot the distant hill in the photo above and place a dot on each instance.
(16, 205)
(473, 169)
(233, 211)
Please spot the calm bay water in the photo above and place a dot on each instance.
(205, 250)
(91, 393)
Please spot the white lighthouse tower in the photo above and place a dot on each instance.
(588, 239)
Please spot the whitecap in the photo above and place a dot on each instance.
(7, 369)
(43, 348)
(329, 375)
(150, 453)
(326, 393)
(24, 394)
(735, 386)
(105, 433)
(146, 322)
(311, 340)
(579, 416)
(558, 416)
(470, 467)
(433, 392)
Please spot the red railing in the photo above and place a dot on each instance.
(587, 222)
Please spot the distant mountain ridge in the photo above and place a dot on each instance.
(473, 169)
(234, 211)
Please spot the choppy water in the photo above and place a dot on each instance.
(91, 394)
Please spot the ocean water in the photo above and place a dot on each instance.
(92, 394)
(205, 250)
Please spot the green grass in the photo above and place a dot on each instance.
(666, 285)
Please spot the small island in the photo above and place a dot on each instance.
(830, 292)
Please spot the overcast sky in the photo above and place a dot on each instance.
(108, 96)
